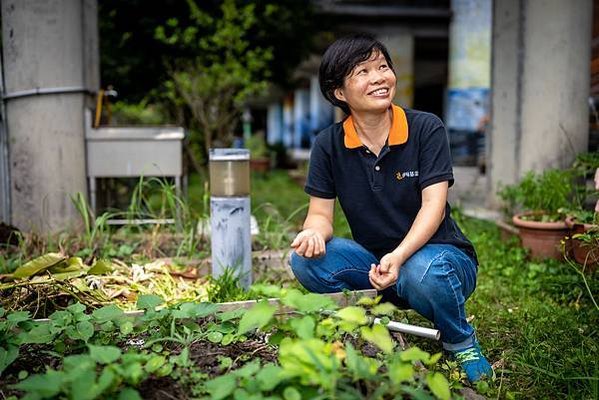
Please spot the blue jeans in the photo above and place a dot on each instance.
(435, 281)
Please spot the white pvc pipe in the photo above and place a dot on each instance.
(395, 326)
(411, 329)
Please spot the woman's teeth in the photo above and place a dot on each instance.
(380, 92)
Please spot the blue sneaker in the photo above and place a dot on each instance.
(473, 363)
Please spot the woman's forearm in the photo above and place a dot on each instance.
(427, 221)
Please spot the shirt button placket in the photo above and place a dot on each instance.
(378, 178)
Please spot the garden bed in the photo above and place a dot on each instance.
(515, 302)
(223, 351)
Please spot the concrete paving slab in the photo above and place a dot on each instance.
(469, 192)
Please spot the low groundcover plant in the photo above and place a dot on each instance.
(318, 352)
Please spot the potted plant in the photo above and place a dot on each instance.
(259, 154)
(584, 237)
(582, 221)
(538, 202)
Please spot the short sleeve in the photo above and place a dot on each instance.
(320, 175)
(434, 157)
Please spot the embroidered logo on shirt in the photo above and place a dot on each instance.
(407, 174)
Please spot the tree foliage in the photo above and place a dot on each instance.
(202, 60)
(226, 71)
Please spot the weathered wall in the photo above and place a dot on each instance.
(48, 44)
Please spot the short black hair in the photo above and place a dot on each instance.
(341, 58)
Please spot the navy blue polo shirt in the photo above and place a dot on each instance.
(381, 196)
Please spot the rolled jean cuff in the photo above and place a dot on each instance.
(461, 345)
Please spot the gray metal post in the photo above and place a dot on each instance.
(230, 214)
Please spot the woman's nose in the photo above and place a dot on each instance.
(377, 77)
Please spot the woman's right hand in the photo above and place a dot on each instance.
(309, 243)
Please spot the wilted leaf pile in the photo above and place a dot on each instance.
(52, 281)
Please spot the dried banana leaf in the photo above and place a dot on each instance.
(38, 265)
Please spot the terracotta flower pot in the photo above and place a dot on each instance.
(260, 164)
(583, 253)
(543, 239)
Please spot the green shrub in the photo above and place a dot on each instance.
(548, 193)
(141, 113)
(257, 146)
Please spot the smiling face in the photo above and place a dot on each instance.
(369, 87)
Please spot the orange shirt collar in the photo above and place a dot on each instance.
(397, 135)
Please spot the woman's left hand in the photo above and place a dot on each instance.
(387, 272)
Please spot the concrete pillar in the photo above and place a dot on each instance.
(51, 64)
(401, 49)
(540, 80)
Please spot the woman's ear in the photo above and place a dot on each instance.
(339, 94)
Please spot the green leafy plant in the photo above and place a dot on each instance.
(226, 287)
(141, 113)
(319, 351)
(256, 144)
(589, 238)
(103, 371)
(319, 357)
(583, 216)
(586, 163)
(9, 338)
(586, 196)
(546, 194)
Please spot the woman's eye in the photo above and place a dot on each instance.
(361, 72)
(383, 66)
